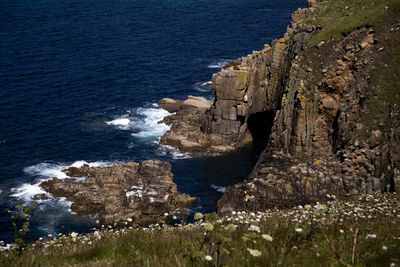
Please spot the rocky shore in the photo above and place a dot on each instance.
(330, 114)
(140, 191)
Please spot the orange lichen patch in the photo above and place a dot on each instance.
(282, 40)
(302, 98)
(317, 162)
(284, 100)
(309, 69)
(300, 85)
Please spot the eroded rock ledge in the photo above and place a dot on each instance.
(135, 190)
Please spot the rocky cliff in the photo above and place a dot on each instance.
(327, 98)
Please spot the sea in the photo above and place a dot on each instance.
(80, 81)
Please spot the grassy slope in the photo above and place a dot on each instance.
(367, 225)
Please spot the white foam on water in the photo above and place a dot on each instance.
(28, 191)
(169, 151)
(146, 122)
(201, 87)
(219, 188)
(49, 170)
(219, 64)
(122, 122)
(44, 172)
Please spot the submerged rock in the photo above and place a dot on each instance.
(136, 190)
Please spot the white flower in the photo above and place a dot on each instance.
(166, 214)
(254, 252)
(299, 230)
(208, 258)
(371, 236)
(384, 247)
(254, 228)
(74, 235)
(129, 219)
(174, 217)
(341, 231)
(267, 237)
(233, 212)
(97, 235)
(307, 207)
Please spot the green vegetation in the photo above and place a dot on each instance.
(21, 221)
(340, 16)
(362, 231)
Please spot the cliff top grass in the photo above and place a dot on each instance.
(338, 16)
(361, 231)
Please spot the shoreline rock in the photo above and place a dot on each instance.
(136, 190)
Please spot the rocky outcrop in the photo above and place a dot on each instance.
(244, 87)
(282, 181)
(136, 190)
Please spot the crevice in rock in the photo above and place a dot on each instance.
(260, 125)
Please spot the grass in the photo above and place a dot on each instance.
(335, 18)
(361, 231)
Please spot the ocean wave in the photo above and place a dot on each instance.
(143, 122)
(122, 122)
(202, 86)
(169, 151)
(44, 172)
(219, 188)
(146, 122)
(218, 64)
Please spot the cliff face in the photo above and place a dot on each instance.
(246, 89)
(329, 106)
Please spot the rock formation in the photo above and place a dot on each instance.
(135, 190)
(331, 115)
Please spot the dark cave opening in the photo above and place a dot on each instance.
(260, 124)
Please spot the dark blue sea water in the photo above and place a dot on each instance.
(79, 79)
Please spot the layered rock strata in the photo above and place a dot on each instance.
(136, 190)
(333, 116)
(338, 131)
(247, 86)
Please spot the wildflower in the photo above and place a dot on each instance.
(208, 227)
(371, 236)
(233, 212)
(307, 207)
(267, 237)
(384, 247)
(97, 235)
(198, 216)
(174, 217)
(166, 214)
(129, 219)
(254, 252)
(341, 231)
(299, 230)
(208, 258)
(74, 235)
(254, 228)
